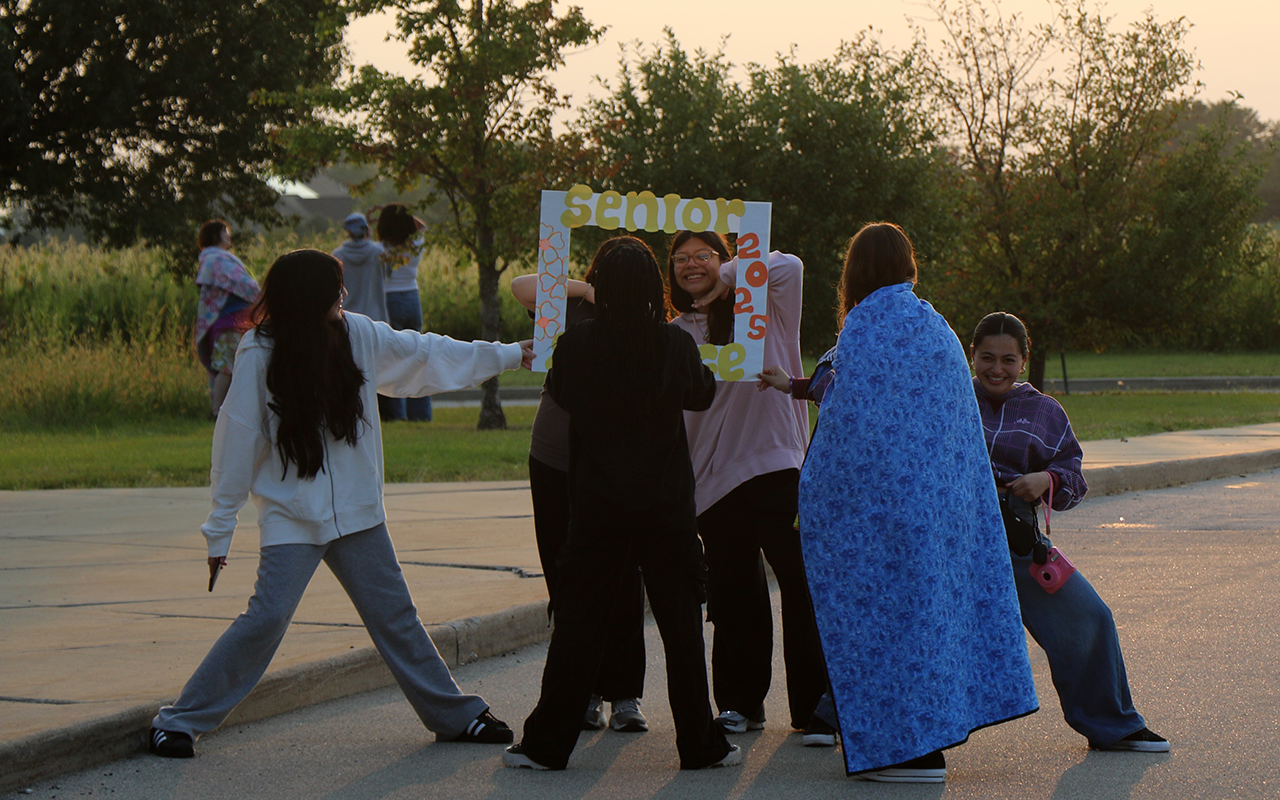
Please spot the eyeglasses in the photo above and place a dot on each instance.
(701, 259)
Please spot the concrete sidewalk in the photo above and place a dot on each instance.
(104, 611)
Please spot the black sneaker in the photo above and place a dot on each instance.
(1143, 741)
(170, 744)
(819, 734)
(929, 768)
(486, 729)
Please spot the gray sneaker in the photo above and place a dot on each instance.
(594, 720)
(627, 717)
(733, 722)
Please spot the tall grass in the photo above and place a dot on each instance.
(63, 292)
(93, 337)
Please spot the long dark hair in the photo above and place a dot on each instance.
(312, 376)
(879, 255)
(720, 312)
(630, 312)
(396, 224)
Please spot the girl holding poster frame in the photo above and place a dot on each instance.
(624, 377)
(621, 678)
(747, 450)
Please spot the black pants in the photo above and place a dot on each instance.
(758, 517)
(623, 659)
(602, 542)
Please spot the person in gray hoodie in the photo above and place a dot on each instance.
(363, 271)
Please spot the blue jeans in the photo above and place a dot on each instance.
(1078, 634)
(404, 312)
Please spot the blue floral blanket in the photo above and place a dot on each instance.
(903, 542)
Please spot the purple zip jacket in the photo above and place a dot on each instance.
(1026, 432)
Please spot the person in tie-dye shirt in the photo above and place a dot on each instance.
(226, 292)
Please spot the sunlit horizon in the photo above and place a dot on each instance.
(1233, 39)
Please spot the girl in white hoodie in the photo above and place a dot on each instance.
(298, 432)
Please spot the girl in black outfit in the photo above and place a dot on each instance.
(621, 677)
(625, 378)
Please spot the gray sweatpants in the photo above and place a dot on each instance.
(366, 566)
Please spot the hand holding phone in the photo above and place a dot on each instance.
(215, 567)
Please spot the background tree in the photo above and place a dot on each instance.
(1089, 215)
(475, 129)
(134, 119)
(831, 145)
(1257, 138)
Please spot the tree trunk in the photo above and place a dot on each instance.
(1035, 370)
(491, 416)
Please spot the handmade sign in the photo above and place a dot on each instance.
(563, 211)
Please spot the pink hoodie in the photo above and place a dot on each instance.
(747, 432)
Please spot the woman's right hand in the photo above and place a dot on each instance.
(716, 292)
(1032, 486)
(776, 377)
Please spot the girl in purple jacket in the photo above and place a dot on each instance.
(1034, 455)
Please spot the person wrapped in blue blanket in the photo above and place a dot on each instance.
(904, 545)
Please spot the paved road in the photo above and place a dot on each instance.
(1190, 573)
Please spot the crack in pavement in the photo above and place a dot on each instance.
(43, 701)
(518, 571)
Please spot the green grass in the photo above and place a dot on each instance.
(1115, 415)
(1157, 364)
(176, 452)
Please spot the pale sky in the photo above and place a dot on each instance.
(1235, 40)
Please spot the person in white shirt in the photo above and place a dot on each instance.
(401, 235)
(297, 431)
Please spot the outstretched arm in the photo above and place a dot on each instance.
(775, 377)
(525, 290)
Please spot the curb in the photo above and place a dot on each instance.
(120, 735)
(1163, 474)
(460, 641)
(1197, 384)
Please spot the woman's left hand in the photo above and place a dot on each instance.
(526, 354)
(1032, 486)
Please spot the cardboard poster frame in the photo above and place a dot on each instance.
(561, 212)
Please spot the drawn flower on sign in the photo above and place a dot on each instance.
(553, 286)
(550, 238)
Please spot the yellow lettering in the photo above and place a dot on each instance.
(671, 201)
(704, 213)
(609, 201)
(730, 360)
(649, 202)
(575, 216)
(708, 354)
(723, 209)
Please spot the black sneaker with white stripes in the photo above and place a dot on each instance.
(486, 729)
(170, 744)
